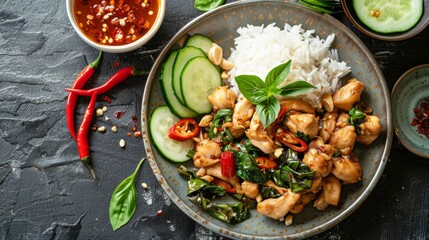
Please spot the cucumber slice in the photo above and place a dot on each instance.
(167, 89)
(159, 123)
(389, 16)
(184, 55)
(198, 80)
(200, 41)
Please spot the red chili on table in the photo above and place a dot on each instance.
(82, 136)
(287, 138)
(79, 82)
(119, 77)
(227, 164)
(184, 129)
(421, 121)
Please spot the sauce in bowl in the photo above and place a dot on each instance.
(115, 22)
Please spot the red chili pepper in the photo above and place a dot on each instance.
(289, 139)
(227, 164)
(82, 135)
(266, 163)
(183, 130)
(221, 183)
(119, 77)
(79, 82)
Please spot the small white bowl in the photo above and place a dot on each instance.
(121, 48)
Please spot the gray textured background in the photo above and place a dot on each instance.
(46, 193)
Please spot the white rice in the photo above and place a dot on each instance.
(259, 49)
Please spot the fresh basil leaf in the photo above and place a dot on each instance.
(296, 88)
(268, 111)
(207, 5)
(123, 202)
(278, 74)
(259, 96)
(248, 85)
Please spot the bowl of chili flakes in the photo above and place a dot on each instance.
(410, 96)
(116, 26)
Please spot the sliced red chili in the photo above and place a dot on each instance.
(78, 83)
(227, 164)
(289, 139)
(266, 163)
(183, 130)
(221, 183)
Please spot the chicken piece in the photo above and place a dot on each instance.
(277, 208)
(258, 136)
(332, 190)
(329, 121)
(251, 190)
(370, 130)
(321, 146)
(347, 169)
(297, 105)
(243, 112)
(342, 120)
(305, 199)
(348, 95)
(207, 154)
(303, 122)
(343, 139)
(279, 190)
(222, 97)
(215, 171)
(319, 161)
(330, 194)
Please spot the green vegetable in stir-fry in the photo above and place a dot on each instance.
(357, 116)
(200, 192)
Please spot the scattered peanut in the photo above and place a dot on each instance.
(104, 109)
(144, 185)
(101, 129)
(278, 152)
(327, 102)
(99, 112)
(288, 220)
(215, 54)
(226, 65)
(224, 75)
(122, 143)
(205, 121)
(114, 129)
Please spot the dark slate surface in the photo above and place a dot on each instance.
(46, 193)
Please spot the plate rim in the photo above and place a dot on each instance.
(229, 233)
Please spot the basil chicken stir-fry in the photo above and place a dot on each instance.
(305, 155)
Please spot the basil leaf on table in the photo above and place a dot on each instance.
(263, 94)
(207, 5)
(124, 201)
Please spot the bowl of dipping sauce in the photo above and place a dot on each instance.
(116, 26)
(395, 33)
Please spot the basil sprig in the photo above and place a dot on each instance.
(207, 5)
(124, 201)
(263, 93)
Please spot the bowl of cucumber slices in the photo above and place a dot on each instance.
(386, 20)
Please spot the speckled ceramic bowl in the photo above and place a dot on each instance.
(410, 89)
(420, 26)
(221, 25)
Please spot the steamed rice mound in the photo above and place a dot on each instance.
(258, 49)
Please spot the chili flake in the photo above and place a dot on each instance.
(421, 121)
(115, 22)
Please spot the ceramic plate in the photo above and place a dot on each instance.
(221, 25)
(409, 91)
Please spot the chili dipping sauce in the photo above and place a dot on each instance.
(115, 22)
